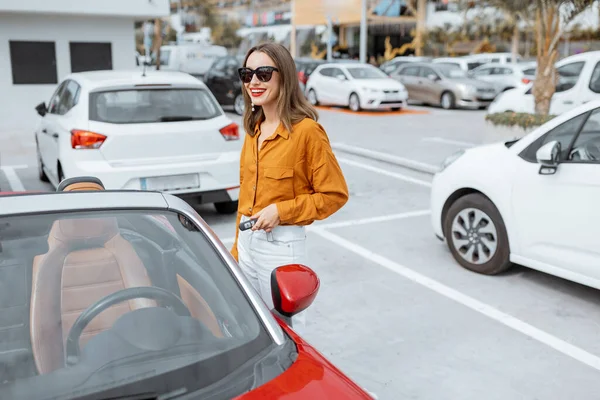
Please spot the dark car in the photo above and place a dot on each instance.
(223, 81)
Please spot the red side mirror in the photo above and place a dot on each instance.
(294, 288)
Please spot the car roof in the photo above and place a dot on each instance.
(587, 56)
(92, 80)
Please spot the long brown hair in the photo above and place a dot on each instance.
(292, 106)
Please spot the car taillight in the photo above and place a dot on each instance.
(86, 140)
(302, 77)
(525, 80)
(230, 132)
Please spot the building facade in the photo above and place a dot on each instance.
(43, 41)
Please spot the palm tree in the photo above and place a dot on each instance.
(516, 12)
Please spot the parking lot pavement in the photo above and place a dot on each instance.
(395, 311)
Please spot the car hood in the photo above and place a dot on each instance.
(382, 84)
(311, 376)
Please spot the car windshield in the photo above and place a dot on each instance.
(107, 300)
(367, 73)
(451, 71)
(135, 106)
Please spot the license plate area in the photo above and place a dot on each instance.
(171, 183)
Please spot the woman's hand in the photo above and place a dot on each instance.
(268, 218)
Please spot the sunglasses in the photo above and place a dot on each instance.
(263, 74)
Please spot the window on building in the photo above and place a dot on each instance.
(33, 62)
(90, 56)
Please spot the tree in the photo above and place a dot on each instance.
(418, 8)
(551, 18)
(516, 12)
(223, 33)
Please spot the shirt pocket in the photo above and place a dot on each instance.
(279, 182)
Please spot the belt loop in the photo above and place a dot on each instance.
(270, 236)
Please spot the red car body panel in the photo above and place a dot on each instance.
(310, 377)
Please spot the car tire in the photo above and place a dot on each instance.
(227, 207)
(312, 97)
(466, 238)
(447, 101)
(41, 174)
(354, 102)
(238, 104)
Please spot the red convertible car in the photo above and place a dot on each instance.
(130, 295)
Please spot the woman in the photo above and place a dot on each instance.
(289, 176)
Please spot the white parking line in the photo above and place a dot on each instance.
(476, 305)
(13, 179)
(384, 172)
(386, 157)
(361, 221)
(449, 141)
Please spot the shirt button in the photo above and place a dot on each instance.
(250, 209)
(253, 187)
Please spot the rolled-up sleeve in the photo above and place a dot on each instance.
(326, 178)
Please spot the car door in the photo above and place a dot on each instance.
(556, 217)
(341, 84)
(567, 95)
(43, 135)
(429, 85)
(483, 73)
(321, 82)
(60, 125)
(408, 75)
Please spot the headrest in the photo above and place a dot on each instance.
(84, 232)
(80, 183)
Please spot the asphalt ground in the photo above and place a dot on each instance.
(395, 311)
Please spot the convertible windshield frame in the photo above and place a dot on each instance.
(81, 201)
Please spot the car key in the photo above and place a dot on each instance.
(248, 224)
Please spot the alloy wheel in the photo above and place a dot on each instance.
(474, 236)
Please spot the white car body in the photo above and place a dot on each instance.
(552, 221)
(579, 83)
(189, 158)
(335, 84)
(506, 76)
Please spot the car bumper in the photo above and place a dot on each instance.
(437, 201)
(377, 103)
(473, 102)
(216, 178)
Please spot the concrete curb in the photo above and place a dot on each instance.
(385, 157)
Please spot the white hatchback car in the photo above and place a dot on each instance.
(355, 85)
(533, 201)
(160, 131)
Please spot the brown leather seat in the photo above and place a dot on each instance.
(87, 260)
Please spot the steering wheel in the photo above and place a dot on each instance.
(146, 292)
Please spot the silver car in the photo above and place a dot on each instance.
(444, 85)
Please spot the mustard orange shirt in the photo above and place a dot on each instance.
(295, 170)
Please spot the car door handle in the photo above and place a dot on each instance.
(55, 135)
(44, 131)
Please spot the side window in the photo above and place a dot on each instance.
(328, 72)
(54, 100)
(482, 72)
(336, 71)
(595, 79)
(68, 98)
(564, 133)
(568, 75)
(409, 71)
(425, 72)
(530, 71)
(587, 144)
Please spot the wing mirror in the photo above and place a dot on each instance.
(293, 288)
(41, 109)
(548, 156)
(341, 77)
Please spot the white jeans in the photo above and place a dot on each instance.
(259, 253)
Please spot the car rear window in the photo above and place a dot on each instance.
(135, 106)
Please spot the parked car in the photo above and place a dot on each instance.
(130, 294)
(464, 63)
(355, 85)
(155, 131)
(505, 76)
(444, 85)
(578, 83)
(223, 81)
(390, 66)
(523, 201)
(305, 67)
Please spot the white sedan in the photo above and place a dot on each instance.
(355, 85)
(159, 131)
(533, 201)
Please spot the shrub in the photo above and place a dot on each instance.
(523, 120)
